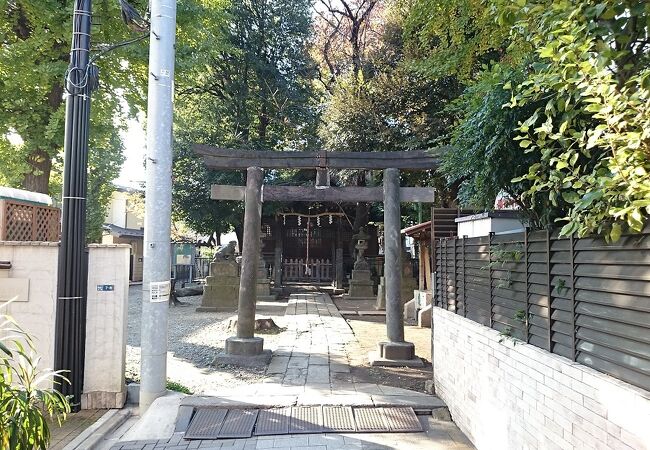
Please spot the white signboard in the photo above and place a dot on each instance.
(184, 260)
(159, 291)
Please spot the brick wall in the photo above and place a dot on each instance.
(504, 395)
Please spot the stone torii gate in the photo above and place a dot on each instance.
(245, 348)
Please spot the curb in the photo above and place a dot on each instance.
(94, 434)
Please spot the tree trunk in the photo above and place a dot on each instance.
(356, 49)
(362, 208)
(263, 122)
(38, 177)
(239, 232)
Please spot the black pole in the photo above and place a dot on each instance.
(70, 331)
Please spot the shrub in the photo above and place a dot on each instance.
(26, 395)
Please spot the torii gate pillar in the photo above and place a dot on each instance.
(396, 351)
(245, 349)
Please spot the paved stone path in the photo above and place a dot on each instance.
(74, 425)
(311, 366)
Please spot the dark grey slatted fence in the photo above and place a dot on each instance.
(583, 299)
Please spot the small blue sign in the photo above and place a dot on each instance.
(105, 287)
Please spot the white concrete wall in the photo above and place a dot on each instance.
(36, 262)
(106, 326)
(106, 312)
(505, 396)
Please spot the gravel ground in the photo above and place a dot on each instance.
(194, 340)
(371, 329)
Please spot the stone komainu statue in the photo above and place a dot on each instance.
(226, 253)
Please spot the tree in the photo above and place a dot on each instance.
(35, 37)
(389, 106)
(191, 195)
(35, 40)
(592, 130)
(452, 37)
(345, 31)
(252, 89)
(255, 81)
(486, 157)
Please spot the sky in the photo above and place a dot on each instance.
(134, 139)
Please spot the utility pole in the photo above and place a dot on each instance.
(72, 289)
(158, 200)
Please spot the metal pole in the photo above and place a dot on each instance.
(70, 322)
(158, 199)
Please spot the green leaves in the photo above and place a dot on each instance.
(592, 134)
(26, 396)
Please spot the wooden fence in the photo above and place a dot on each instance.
(314, 270)
(584, 299)
(202, 267)
(22, 221)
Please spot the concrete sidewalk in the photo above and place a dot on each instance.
(310, 366)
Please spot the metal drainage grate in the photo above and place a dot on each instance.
(402, 419)
(338, 419)
(206, 423)
(239, 423)
(273, 421)
(214, 423)
(370, 420)
(306, 419)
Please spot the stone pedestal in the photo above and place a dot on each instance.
(263, 286)
(395, 354)
(244, 352)
(361, 286)
(407, 286)
(409, 283)
(381, 294)
(221, 290)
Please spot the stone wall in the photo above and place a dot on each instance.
(519, 396)
(36, 264)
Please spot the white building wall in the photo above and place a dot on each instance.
(116, 213)
(484, 226)
(106, 312)
(505, 396)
